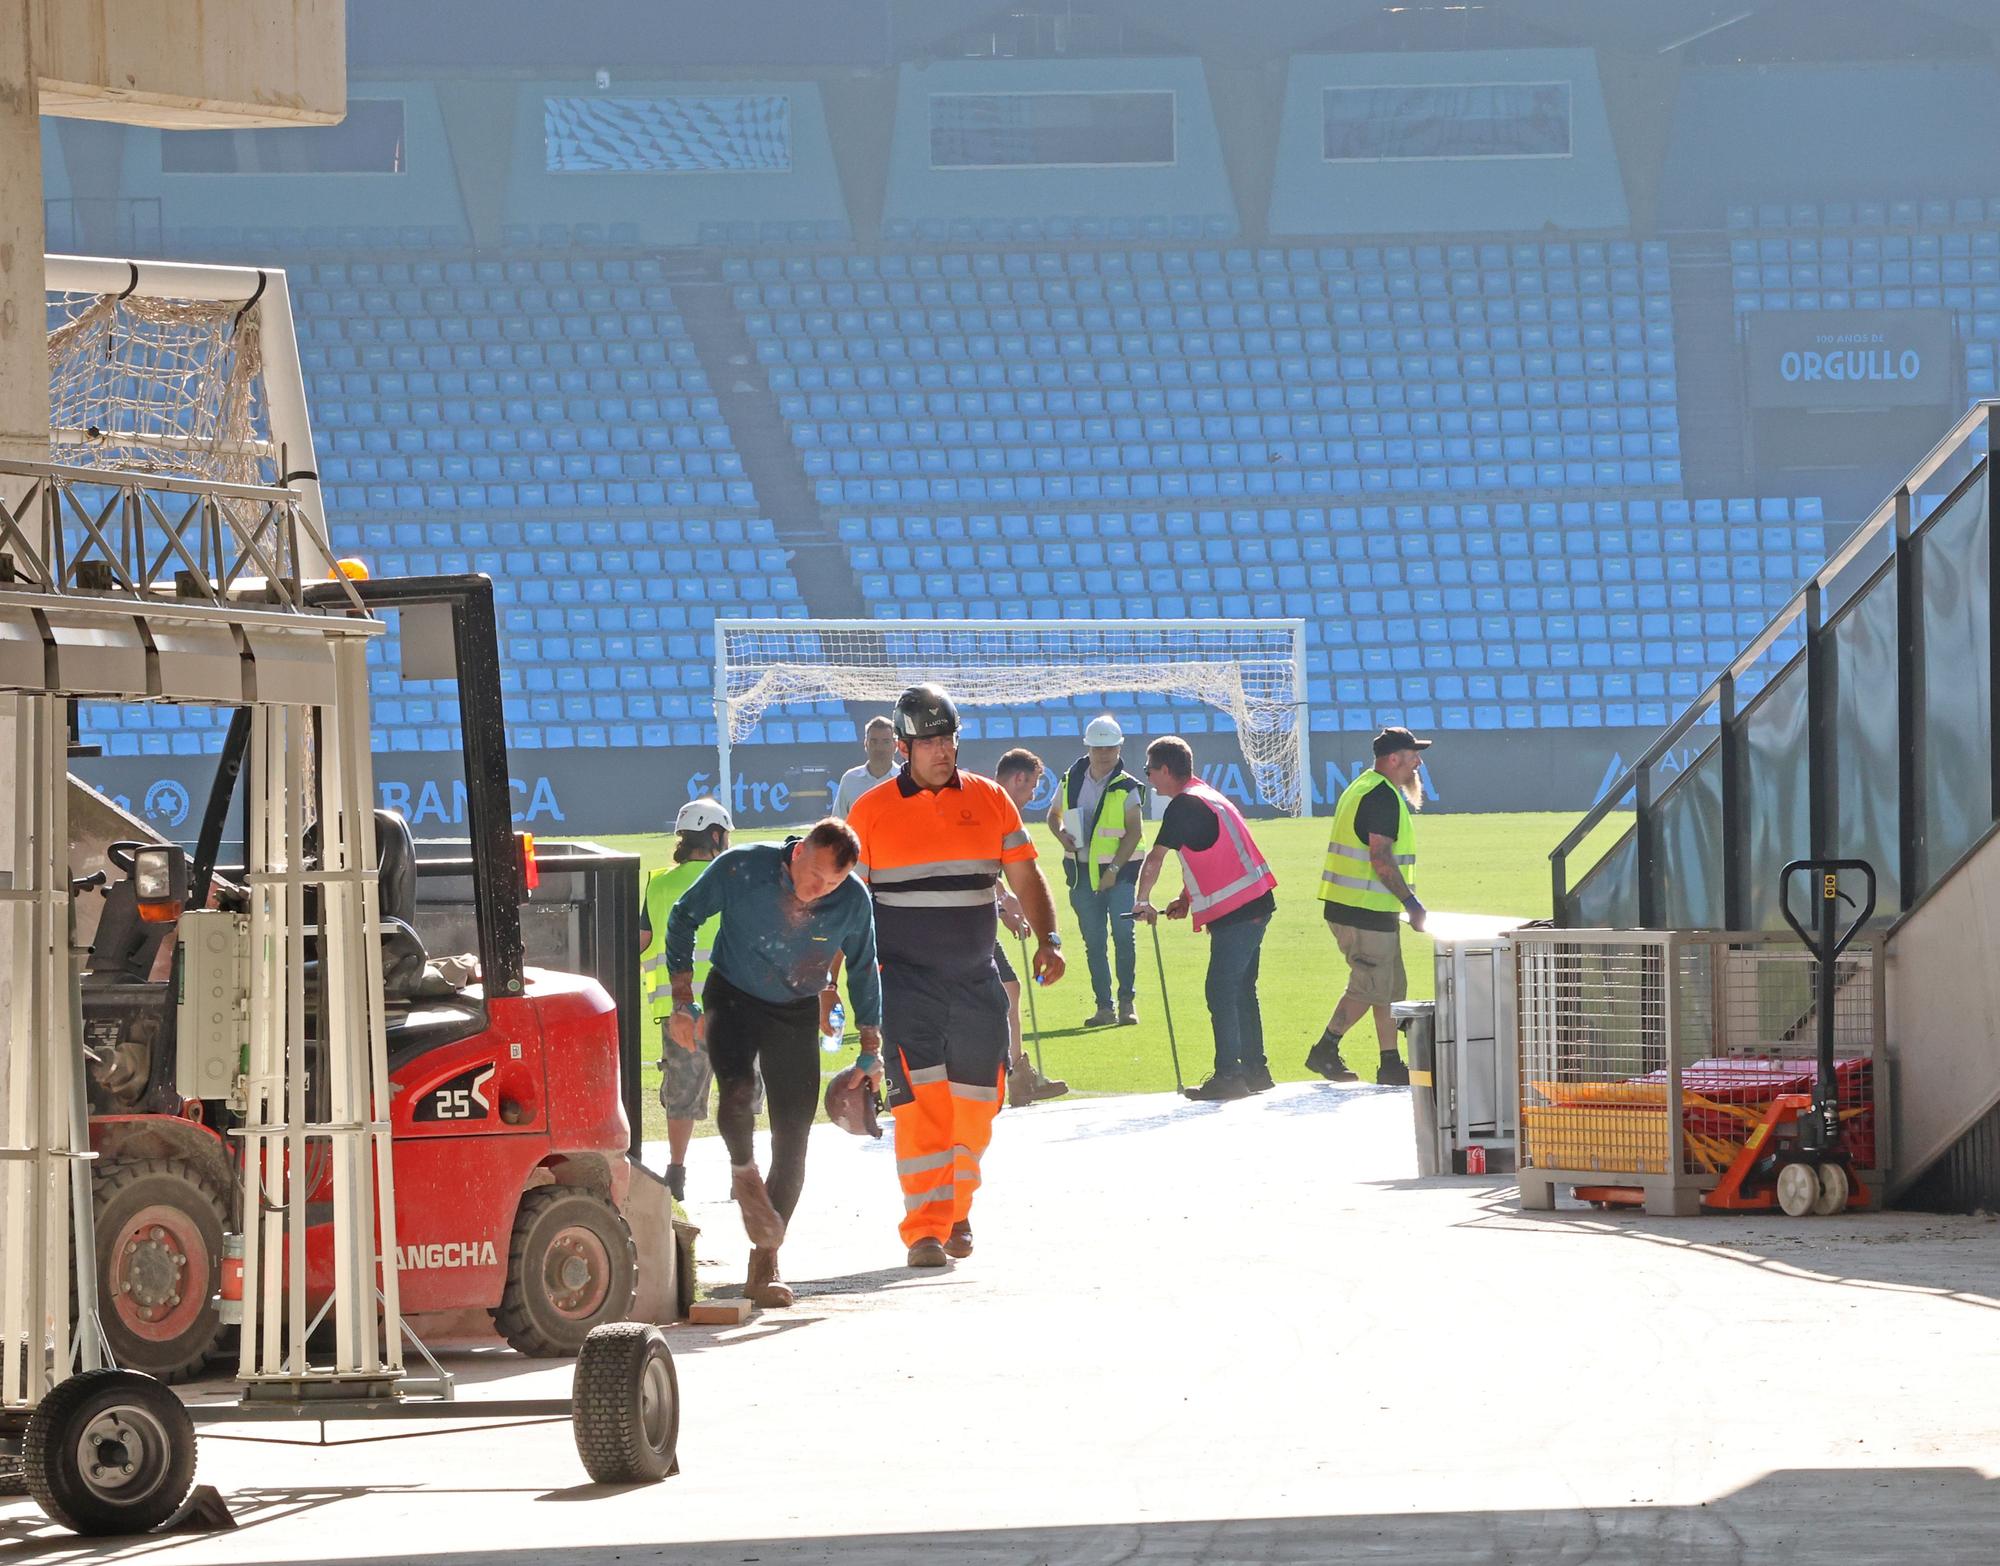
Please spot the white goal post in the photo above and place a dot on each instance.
(1252, 670)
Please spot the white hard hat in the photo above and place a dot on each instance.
(1103, 730)
(698, 815)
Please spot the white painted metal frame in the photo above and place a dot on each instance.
(309, 760)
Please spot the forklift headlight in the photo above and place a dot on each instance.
(160, 882)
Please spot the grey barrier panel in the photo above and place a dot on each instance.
(1955, 702)
(1866, 819)
(1608, 897)
(1776, 787)
(1688, 819)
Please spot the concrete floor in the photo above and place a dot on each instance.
(1242, 1332)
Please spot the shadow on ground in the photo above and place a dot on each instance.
(1859, 1517)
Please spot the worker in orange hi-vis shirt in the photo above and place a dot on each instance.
(935, 842)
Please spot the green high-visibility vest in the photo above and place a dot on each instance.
(1101, 837)
(663, 890)
(1349, 878)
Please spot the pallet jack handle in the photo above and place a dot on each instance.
(1826, 941)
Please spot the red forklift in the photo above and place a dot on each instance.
(516, 1088)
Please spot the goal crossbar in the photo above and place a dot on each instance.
(1253, 670)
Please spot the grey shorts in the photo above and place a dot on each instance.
(1374, 963)
(685, 1075)
(684, 1078)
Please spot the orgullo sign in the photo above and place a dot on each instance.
(1852, 359)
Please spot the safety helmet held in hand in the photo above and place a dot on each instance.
(852, 1105)
(1103, 730)
(698, 815)
(923, 711)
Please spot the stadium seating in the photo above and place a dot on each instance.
(1174, 374)
(1874, 255)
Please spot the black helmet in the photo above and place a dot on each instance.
(923, 711)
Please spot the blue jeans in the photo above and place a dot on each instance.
(1094, 910)
(1234, 950)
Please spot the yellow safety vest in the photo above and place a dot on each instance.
(1108, 830)
(663, 890)
(1349, 878)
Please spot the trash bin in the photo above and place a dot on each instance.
(1461, 1053)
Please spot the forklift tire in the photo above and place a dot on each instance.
(572, 1265)
(625, 1405)
(12, 1480)
(159, 1265)
(109, 1452)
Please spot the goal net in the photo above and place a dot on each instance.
(1251, 670)
(158, 385)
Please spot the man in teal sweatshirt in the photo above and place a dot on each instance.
(790, 913)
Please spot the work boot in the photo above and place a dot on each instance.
(960, 1243)
(762, 1287)
(1026, 1085)
(1224, 1085)
(677, 1181)
(1324, 1058)
(1103, 1017)
(760, 1219)
(1257, 1078)
(1049, 1087)
(1392, 1072)
(927, 1252)
(1128, 1013)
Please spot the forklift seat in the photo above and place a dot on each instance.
(403, 954)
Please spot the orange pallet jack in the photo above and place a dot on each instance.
(1796, 1159)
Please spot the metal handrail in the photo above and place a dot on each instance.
(1976, 417)
(225, 535)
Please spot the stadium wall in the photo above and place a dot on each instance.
(1887, 130)
(671, 208)
(611, 791)
(1311, 195)
(1195, 184)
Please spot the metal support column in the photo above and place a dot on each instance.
(1646, 828)
(1735, 836)
(1909, 704)
(1820, 699)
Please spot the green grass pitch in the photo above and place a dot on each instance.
(1481, 864)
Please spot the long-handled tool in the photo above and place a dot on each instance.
(1166, 1007)
(1028, 990)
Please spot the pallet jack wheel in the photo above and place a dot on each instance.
(625, 1406)
(1798, 1189)
(109, 1452)
(1834, 1187)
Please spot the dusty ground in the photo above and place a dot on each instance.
(1240, 1332)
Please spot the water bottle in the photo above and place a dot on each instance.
(836, 1027)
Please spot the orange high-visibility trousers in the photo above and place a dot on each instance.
(946, 1053)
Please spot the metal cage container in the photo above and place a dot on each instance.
(1647, 1057)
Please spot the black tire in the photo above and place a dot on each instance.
(12, 1480)
(572, 1265)
(625, 1405)
(109, 1452)
(157, 1281)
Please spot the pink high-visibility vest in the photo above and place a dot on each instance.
(1229, 872)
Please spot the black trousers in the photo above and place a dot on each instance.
(782, 1037)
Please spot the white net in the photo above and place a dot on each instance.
(1248, 669)
(157, 385)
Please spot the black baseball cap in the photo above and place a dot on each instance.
(1389, 741)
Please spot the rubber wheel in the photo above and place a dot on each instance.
(159, 1264)
(572, 1265)
(1798, 1189)
(625, 1406)
(12, 1480)
(1834, 1188)
(109, 1451)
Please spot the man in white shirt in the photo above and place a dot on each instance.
(878, 742)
